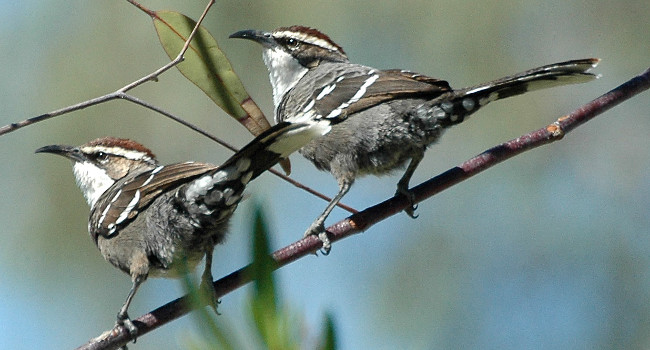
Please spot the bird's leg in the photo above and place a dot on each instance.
(318, 226)
(123, 316)
(403, 184)
(207, 281)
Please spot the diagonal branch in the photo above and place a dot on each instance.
(363, 220)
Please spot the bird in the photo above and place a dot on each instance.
(385, 118)
(151, 220)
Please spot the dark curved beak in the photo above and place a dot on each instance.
(70, 152)
(263, 38)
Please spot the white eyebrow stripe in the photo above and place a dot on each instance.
(118, 151)
(309, 39)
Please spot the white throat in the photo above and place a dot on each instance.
(92, 181)
(284, 73)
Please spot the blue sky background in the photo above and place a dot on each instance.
(548, 250)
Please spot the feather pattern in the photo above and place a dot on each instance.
(362, 89)
(114, 204)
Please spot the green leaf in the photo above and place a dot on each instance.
(212, 332)
(329, 335)
(263, 265)
(207, 67)
(270, 321)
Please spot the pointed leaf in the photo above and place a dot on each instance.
(212, 331)
(264, 301)
(207, 67)
(328, 341)
(263, 265)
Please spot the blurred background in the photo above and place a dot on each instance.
(549, 250)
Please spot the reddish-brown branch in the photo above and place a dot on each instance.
(363, 220)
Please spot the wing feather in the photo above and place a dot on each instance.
(122, 202)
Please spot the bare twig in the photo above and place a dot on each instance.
(79, 106)
(122, 94)
(177, 119)
(372, 215)
(175, 61)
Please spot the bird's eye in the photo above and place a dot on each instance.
(293, 44)
(101, 157)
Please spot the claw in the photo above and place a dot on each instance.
(410, 211)
(318, 229)
(327, 245)
(124, 320)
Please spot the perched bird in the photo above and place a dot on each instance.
(149, 219)
(386, 118)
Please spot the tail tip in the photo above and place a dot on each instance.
(594, 61)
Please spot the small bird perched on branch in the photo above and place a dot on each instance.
(386, 118)
(149, 219)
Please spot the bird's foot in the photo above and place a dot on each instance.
(317, 228)
(123, 320)
(410, 210)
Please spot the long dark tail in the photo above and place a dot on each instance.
(215, 193)
(278, 143)
(464, 102)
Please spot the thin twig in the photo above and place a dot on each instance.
(363, 220)
(15, 126)
(175, 61)
(121, 93)
(159, 110)
(232, 148)
(313, 192)
(118, 93)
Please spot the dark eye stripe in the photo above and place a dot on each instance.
(99, 157)
(291, 43)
